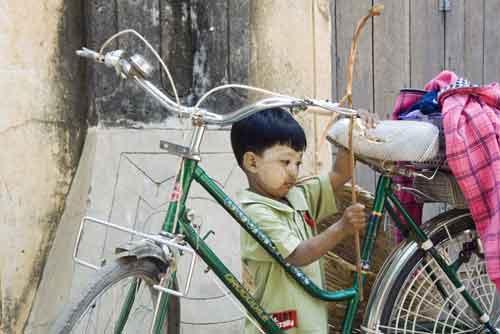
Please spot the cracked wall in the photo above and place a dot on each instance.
(40, 136)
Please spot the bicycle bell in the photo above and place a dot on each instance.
(141, 65)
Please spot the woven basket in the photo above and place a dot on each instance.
(340, 264)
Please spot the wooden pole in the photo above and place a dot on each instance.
(375, 11)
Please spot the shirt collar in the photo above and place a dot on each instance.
(294, 196)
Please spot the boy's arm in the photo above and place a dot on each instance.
(312, 249)
(341, 172)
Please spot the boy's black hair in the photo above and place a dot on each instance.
(265, 129)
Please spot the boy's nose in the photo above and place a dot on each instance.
(293, 170)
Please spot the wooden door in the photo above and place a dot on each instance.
(410, 43)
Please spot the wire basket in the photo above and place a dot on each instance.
(440, 160)
(443, 188)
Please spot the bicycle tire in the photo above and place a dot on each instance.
(421, 298)
(117, 272)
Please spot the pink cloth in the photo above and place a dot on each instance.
(471, 122)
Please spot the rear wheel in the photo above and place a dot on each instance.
(423, 300)
(101, 305)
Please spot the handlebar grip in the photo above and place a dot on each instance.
(111, 59)
(90, 54)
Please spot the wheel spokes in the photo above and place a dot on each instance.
(104, 314)
(430, 303)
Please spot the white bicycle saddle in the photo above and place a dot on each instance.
(390, 140)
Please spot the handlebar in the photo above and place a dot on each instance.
(137, 69)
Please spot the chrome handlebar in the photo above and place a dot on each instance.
(130, 68)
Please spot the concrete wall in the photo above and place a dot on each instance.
(123, 176)
(291, 54)
(40, 138)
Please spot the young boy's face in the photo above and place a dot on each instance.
(275, 171)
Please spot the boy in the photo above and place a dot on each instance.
(269, 146)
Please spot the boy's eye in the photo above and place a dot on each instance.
(285, 162)
(299, 163)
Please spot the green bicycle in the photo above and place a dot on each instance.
(434, 282)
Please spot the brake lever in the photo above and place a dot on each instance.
(332, 106)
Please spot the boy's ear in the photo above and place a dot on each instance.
(250, 162)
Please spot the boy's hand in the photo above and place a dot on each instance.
(370, 120)
(312, 249)
(354, 218)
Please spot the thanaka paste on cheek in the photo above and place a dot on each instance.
(272, 172)
(273, 176)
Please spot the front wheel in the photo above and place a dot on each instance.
(421, 299)
(102, 308)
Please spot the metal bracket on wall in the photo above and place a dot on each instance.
(444, 5)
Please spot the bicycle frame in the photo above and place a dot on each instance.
(177, 208)
(385, 199)
(177, 221)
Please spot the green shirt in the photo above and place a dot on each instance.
(285, 225)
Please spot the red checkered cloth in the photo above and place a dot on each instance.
(471, 122)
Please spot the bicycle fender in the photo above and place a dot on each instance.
(141, 249)
(385, 279)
